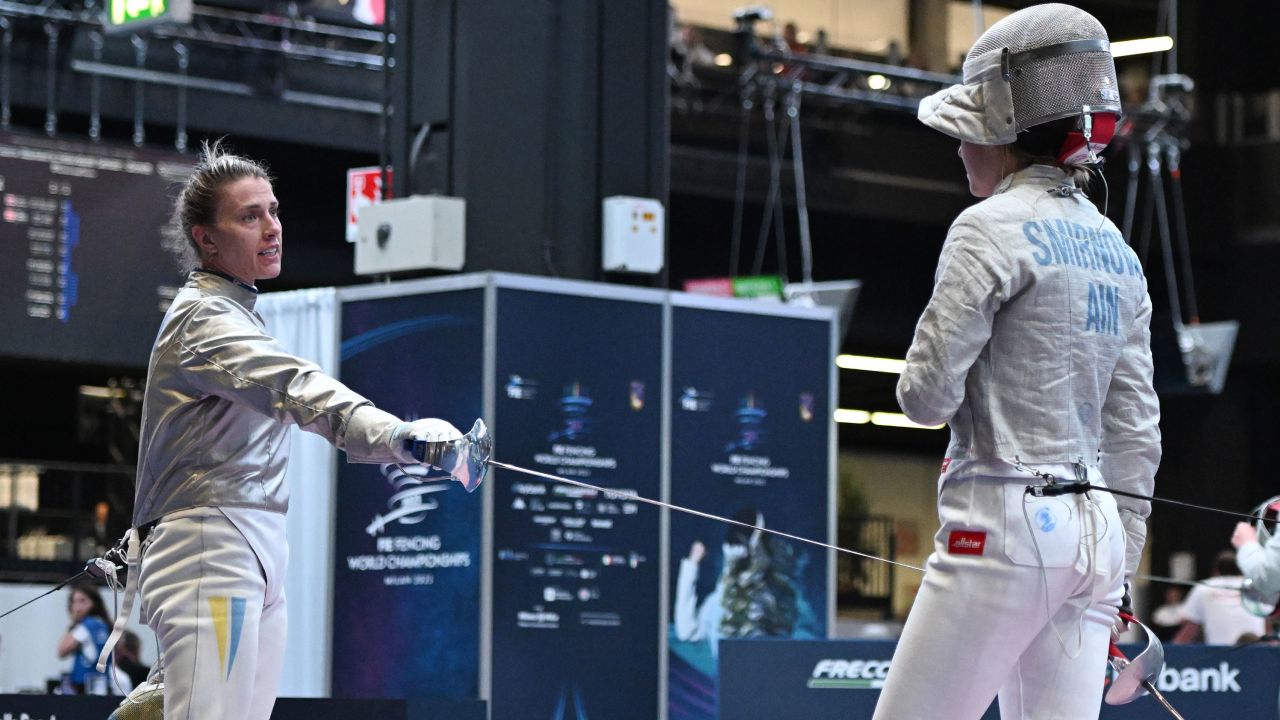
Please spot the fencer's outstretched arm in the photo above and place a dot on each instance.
(1260, 563)
(1130, 452)
(685, 616)
(224, 352)
(974, 278)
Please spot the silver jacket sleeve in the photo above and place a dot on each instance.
(224, 355)
(1130, 451)
(1261, 564)
(973, 280)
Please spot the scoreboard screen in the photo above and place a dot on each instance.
(84, 276)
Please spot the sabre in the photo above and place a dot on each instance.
(699, 513)
(1119, 663)
(1156, 694)
(1134, 676)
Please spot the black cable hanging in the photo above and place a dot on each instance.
(1052, 489)
(775, 171)
(740, 191)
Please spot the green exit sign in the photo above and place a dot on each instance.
(132, 15)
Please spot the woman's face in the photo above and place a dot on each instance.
(246, 238)
(80, 605)
(985, 166)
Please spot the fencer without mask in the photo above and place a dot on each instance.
(1040, 64)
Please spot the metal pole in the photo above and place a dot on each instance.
(1162, 221)
(779, 208)
(1131, 196)
(139, 88)
(740, 190)
(802, 202)
(96, 41)
(6, 64)
(384, 127)
(766, 219)
(51, 81)
(1173, 156)
(184, 62)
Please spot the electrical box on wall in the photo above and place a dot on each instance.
(634, 235)
(413, 233)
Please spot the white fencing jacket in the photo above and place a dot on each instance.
(1036, 344)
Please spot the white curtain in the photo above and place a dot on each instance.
(305, 323)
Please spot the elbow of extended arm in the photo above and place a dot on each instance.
(918, 406)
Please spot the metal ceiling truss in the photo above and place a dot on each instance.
(294, 58)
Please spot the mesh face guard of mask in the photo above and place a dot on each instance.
(1038, 65)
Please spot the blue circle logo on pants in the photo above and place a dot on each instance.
(1045, 517)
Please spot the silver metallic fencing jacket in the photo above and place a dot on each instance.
(1036, 344)
(221, 395)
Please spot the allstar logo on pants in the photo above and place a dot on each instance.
(966, 542)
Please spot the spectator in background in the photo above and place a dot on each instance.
(791, 38)
(1213, 610)
(1167, 618)
(696, 52)
(103, 538)
(893, 54)
(822, 42)
(128, 657)
(90, 626)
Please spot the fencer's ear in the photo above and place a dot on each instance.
(203, 240)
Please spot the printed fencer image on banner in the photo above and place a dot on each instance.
(1035, 349)
(755, 592)
(754, 453)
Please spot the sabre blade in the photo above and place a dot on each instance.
(709, 516)
(1151, 688)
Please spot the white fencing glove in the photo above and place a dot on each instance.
(1124, 618)
(439, 444)
(414, 442)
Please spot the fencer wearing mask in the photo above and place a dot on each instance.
(1035, 349)
(1258, 558)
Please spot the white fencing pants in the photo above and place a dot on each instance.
(1018, 600)
(221, 636)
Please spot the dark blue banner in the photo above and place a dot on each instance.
(406, 585)
(839, 679)
(575, 571)
(750, 440)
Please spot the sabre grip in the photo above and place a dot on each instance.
(424, 451)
